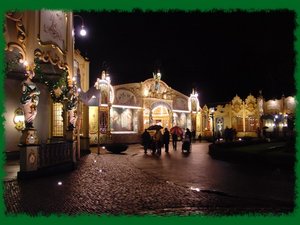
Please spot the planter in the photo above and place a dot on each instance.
(116, 148)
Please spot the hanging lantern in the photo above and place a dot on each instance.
(19, 119)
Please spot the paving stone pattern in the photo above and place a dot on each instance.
(111, 184)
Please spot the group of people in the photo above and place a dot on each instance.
(229, 134)
(160, 140)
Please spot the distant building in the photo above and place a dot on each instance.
(250, 117)
(136, 106)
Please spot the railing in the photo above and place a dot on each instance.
(51, 154)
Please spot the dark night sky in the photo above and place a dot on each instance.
(219, 54)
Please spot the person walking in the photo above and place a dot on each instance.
(158, 138)
(174, 140)
(188, 135)
(146, 139)
(166, 139)
(187, 141)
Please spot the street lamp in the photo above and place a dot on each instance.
(82, 31)
(98, 138)
(76, 84)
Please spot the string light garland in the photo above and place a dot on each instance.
(58, 90)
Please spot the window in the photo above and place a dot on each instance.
(122, 119)
(237, 123)
(251, 124)
(57, 120)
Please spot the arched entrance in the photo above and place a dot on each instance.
(159, 113)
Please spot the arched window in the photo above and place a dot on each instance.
(251, 124)
(237, 123)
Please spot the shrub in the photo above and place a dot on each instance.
(116, 147)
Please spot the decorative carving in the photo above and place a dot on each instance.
(51, 57)
(180, 103)
(53, 29)
(290, 104)
(20, 29)
(220, 109)
(125, 97)
(150, 86)
(237, 104)
(251, 103)
(205, 109)
(29, 98)
(273, 106)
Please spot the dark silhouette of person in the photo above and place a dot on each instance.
(166, 139)
(188, 134)
(227, 134)
(158, 139)
(200, 138)
(174, 140)
(146, 139)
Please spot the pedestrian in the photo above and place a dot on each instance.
(166, 139)
(227, 134)
(200, 138)
(174, 140)
(146, 139)
(188, 135)
(158, 139)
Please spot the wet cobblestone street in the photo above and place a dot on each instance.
(111, 184)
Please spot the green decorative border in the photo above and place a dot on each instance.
(128, 5)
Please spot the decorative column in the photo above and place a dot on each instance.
(150, 117)
(85, 140)
(29, 141)
(193, 105)
(244, 117)
(106, 98)
(109, 105)
(108, 122)
(73, 122)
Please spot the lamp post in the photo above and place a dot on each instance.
(109, 103)
(76, 85)
(82, 31)
(98, 139)
(98, 87)
(103, 84)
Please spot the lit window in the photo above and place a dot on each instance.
(57, 120)
(251, 123)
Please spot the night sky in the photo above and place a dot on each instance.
(220, 54)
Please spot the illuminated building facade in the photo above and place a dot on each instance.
(134, 107)
(252, 117)
(43, 42)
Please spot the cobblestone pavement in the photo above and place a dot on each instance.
(111, 184)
